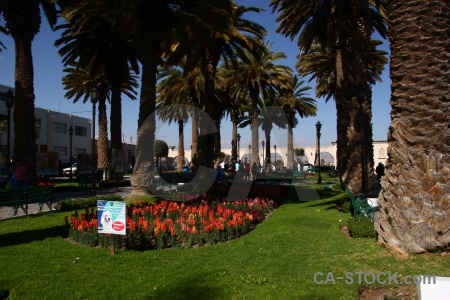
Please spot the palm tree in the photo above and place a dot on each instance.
(344, 28)
(295, 101)
(235, 104)
(254, 79)
(177, 87)
(78, 83)
(319, 63)
(2, 30)
(239, 38)
(158, 24)
(414, 214)
(87, 34)
(23, 20)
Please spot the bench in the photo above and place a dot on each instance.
(360, 205)
(22, 197)
(299, 174)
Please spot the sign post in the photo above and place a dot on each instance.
(111, 216)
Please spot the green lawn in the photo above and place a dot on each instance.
(277, 260)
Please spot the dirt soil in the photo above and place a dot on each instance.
(404, 292)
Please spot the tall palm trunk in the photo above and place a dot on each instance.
(103, 142)
(116, 122)
(217, 143)
(205, 148)
(290, 147)
(254, 95)
(268, 156)
(142, 178)
(180, 160)
(415, 206)
(194, 133)
(23, 20)
(368, 143)
(234, 139)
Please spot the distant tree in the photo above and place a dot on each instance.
(299, 152)
(161, 149)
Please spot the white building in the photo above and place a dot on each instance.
(53, 135)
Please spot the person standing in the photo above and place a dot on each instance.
(379, 170)
(254, 170)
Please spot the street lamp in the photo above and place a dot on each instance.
(94, 98)
(263, 144)
(249, 152)
(361, 93)
(71, 158)
(275, 147)
(318, 127)
(9, 105)
(238, 140)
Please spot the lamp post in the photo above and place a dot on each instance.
(263, 144)
(318, 127)
(249, 152)
(9, 105)
(70, 151)
(94, 98)
(275, 147)
(361, 92)
(239, 152)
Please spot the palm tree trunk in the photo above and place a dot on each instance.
(255, 126)
(268, 156)
(194, 155)
(217, 143)
(234, 139)
(116, 124)
(415, 208)
(24, 119)
(103, 142)
(143, 178)
(180, 162)
(23, 19)
(290, 147)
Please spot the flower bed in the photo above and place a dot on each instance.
(174, 224)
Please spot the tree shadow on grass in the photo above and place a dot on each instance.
(302, 194)
(192, 287)
(28, 236)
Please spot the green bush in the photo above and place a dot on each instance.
(361, 227)
(73, 204)
(344, 205)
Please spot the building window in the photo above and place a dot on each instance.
(59, 127)
(80, 131)
(62, 150)
(38, 128)
(80, 151)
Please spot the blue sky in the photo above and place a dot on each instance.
(49, 91)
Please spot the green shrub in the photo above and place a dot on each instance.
(73, 204)
(346, 206)
(361, 227)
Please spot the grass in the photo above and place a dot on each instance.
(277, 260)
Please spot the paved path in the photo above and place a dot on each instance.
(7, 212)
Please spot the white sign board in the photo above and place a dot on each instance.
(436, 288)
(111, 216)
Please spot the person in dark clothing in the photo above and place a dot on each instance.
(254, 170)
(380, 171)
